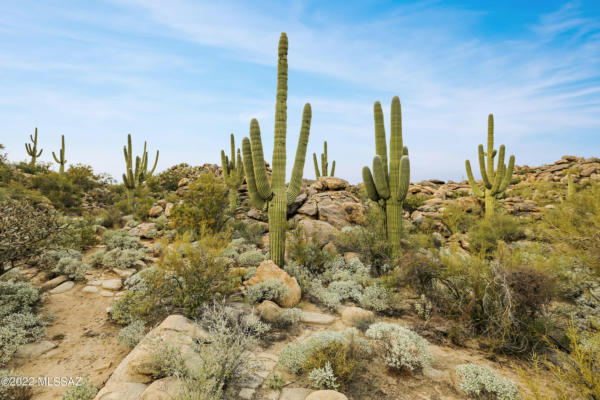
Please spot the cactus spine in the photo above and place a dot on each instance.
(233, 173)
(32, 148)
(61, 158)
(388, 185)
(273, 196)
(324, 163)
(135, 177)
(494, 182)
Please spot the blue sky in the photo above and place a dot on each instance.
(184, 74)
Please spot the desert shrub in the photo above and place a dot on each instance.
(457, 219)
(121, 258)
(202, 273)
(251, 232)
(423, 308)
(161, 223)
(49, 258)
(307, 252)
(84, 390)
(16, 392)
(251, 258)
(58, 189)
(323, 378)
(223, 361)
(485, 235)
(149, 299)
(414, 201)
(376, 298)
(204, 205)
(271, 289)
(95, 259)
(287, 317)
(132, 334)
(110, 217)
(143, 204)
(25, 230)
(73, 268)
(168, 179)
(481, 383)
(18, 322)
(367, 241)
(275, 382)
(120, 239)
(166, 360)
(400, 348)
(342, 349)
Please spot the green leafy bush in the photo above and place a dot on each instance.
(400, 348)
(10, 392)
(132, 334)
(485, 235)
(204, 206)
(251, 258)
(84, 390)
(481, 383)
(18, 322)
(25, 230)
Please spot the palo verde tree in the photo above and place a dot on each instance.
(61, 158)
(388, 185)
(494, 182)
(31, 148)
(233, 173)
(324, 163)
(273, 196)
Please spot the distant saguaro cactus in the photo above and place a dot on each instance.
(494, 182)
(136, 176)
(390, 186)
(233, 173)
(273, 196)
(324, 163)
(61, 158)
(31, 148)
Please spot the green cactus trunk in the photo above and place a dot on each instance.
(61, 157)
(32, 148)
(274, 196)
(394, 213)
(490, 204)
(277, 226)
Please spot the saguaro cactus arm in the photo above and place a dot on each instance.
(316, 163)
(61, 158)
(478, 192)
(298, 169)
(332, 173)
(381, 182)
(263, 186)
(255, 198)
(31, 148)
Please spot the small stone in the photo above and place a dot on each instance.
(63, 287)
(155, 211)
(106, 293)
(269, 311)
(356, 316)
(247, 393)
(126, 273)
(294, 393)
(94, 283)
(112, 284)
(316, 318)
(33, 350)
(90, 289)
(52, 283)
(326, 395)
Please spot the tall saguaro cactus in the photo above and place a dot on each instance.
(32, 148)
(136, 176)
(494, 182)
(388, 185)
(233, 173)
(324, 163)
(274, 196)
(61, 158)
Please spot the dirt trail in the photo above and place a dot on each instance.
(85, 338)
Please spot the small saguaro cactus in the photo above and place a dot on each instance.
(494, 182)
(274, 196)
(135, 177)
(61, 158)
(32, 148)
(324, 163)
(233, 173)
(388, 185)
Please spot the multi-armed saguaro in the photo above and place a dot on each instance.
(133, 178)
(389, 188)
(233, 173)
(494, 182)
(32, 148)
(324, 163)
(61, 158)
(273, 196)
